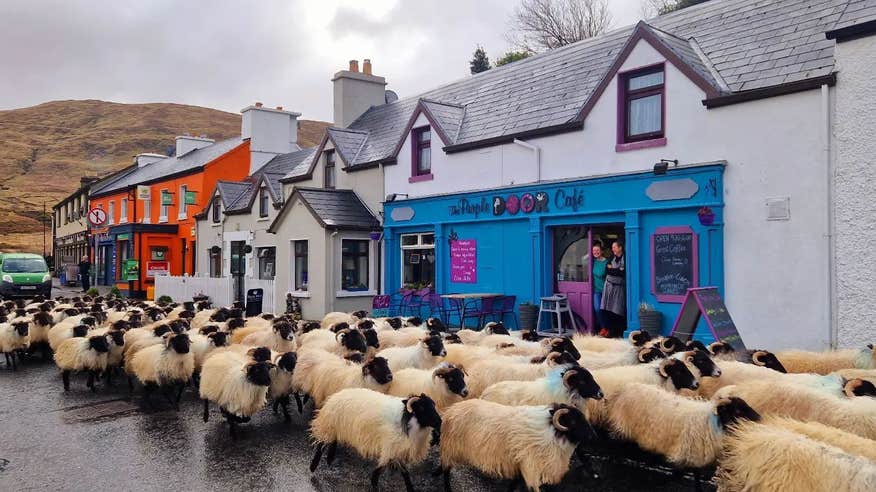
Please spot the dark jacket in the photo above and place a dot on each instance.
(84, 267)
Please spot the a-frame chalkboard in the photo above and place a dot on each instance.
(706, 302)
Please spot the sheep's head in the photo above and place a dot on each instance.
(307, 326)
(218, 338)
(203, 305)
(494, 328)
(235, 323)
(178, 342)
(259, 354)
(80, 330)
(160, 330)
(189, 305)
(435, 325)
(71, 312)
(259, 372)
(207, 329)
(43, 318)
(378, 370)
(569, 423)
(695, 345)
(21, 328)
(434, 345)
(580, 384)
(220, 316)
(670, 345)
(649, 354)
(365, 324)
(720, 348)
(286, 362)
(352, 340)
(702, 362)
(529, 335)
(423, 409)
(235, 312)
(361, 314)
(89, 320)
(371, 339)
(767, 359)
(116, 337)
(680, 375)
(99, 344)
(555, 359)
(121, 325)
(179, 326)
(732, 409)
(339, 327)
(285, 331)
(186, 314)
(414, 321)
(453, 376)
(394, 323)
(859, 387)
(562, 344)
(451, 338)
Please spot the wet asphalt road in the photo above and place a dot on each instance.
(52, 440)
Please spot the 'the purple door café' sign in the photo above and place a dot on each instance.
(464, 261)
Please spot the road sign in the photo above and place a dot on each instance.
(97, 217)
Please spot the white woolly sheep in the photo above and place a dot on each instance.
(445, 385)
(829, 361)
(424, 355)
(492, 370)
(204, 345)
(760, 457)
(170, 364)
(343, 343)
(593, 343)
(848, 442)
(857, 415)
(280, 338)
(13, 340)
(38, 333)
(474, 337)
(688, 432)
(283, 384)
(561, 385)
(387, 429)
(320, 374)
(237, 383)
(64, 330)
(338, 317)
(529, 443)
(613, 358)
(82, 354)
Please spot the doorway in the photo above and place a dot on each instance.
(572, 266)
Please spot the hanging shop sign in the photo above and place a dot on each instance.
(190, 198)
(157, 268)
(166, 198)
(563, 199)
(144, 193)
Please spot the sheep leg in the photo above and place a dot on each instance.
(446, 479)
(206, 410)
(316, 457)
(299, 403)
(409, 486)
(65, 376)
(275, 406)
(8, 364)
(14, 366)
(330, 457)
(179, 392)
(514, 483)
(375, 477)
(284, 404)
(130, 385)
(90, 382)
(305, 399)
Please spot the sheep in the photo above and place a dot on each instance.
(828, 362)
(342, 343)
(630, 356)
(64, 330)
(445, 385)
(38, 333)
(699, 363)
(390, 430)
(253, 325)
(305, 326)
(280, 338)
(424, 355)
(492, 370)
(529, 443)
(537, 349)
(561, 385)
(669, 374)
(13, 340)
(759, 457)
(668, 345)
(146, 338)
(388, 324)
(724, 351)
(237, 383)
(857, 415)
(593, 343)
(848, 442)
(688, 432)
(82, 354)
(865, 374)
(166, 365)
(282, 382)
(204, 345)
(474, 337)
(337, 317)
(859, 387)
(320, 374)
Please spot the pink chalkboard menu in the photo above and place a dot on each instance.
(464, 261)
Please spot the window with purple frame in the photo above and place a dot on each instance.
(642, 104)
(421, 141)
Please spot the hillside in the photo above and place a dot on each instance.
(46, 148)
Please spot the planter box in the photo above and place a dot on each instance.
(651, 321)
(528, 316)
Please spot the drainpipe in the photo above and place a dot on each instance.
(332, 290)
(831, 219)
(537, 151)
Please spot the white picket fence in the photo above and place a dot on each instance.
(220, 290)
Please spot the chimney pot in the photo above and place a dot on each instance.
(258, 104)
(280, 108)
(366, 66)
(354, 65)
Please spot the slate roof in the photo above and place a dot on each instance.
(231, 191)
(333, 209)
(734, 46)
(169, 166)
(856, 12)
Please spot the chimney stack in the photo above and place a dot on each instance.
(355, 92)
(258, 104)
(188, 143)
(270, 132)
(145, 159)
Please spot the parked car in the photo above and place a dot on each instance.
(24, 275)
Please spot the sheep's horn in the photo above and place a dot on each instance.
(662, 368)
(411, 401)
(641, 355)
(569, 373)
(556, 420)
(755, 357)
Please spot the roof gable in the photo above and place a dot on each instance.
(332, 208)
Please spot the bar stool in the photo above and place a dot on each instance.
(556, 305)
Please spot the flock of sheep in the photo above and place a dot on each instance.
(512, 406)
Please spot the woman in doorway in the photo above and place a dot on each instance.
(599, 265)
(614, 297)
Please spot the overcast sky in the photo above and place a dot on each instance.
(226, 54)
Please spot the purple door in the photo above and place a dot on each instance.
(572, 269)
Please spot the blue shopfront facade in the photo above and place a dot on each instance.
(529, 241)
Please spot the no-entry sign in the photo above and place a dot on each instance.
(97, 217)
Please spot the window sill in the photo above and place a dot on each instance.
(644, 144)
(262, 219)
(162, 220)
(145, 221)
(216, 224)
(181, 217)
(123, 221)
(301, 294)
(356, 293)
(422, 177)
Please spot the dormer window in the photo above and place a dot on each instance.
(421, 154)
(216, 204)
(329, 178)
(263, 202)
(643, 104)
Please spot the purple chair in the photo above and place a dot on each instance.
(434, 305)
(480, 312)
(399, 302)
(504, 307)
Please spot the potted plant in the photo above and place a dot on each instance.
(706, 216)
(528, 315)
(650, 319)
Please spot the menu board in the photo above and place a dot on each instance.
(707, 302)
(464, 261)
(674, 261)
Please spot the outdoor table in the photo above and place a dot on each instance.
(465, 297)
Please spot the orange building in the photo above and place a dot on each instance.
(150, 210)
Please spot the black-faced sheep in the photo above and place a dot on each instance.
(283, 384)
(280, 337)
(562, 385)
(614, 358)
(828, 362)
(529, 443)
(321, 374)
(592, 343)
(167, 365)
(13, 341)
(492, 370)
(64, 330)
(386, 429)
(445, 385)
(758, 357)
(237, 383)
(424, 355)
(82, 354)
(38, 333)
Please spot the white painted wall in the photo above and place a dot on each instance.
(776, 272)
(184, 145)
(855, 190)
(271, 132)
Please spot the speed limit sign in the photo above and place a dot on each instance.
(97, 217)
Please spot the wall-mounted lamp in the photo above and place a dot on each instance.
(661, 167)
(393, 196)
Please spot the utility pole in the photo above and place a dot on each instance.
(43, 220)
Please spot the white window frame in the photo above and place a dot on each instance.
(111, 212)
(163, 210)
(147, 211)
(183, 212)
(372, 267)
(123, 212)
(292, 273)
(419, 245)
